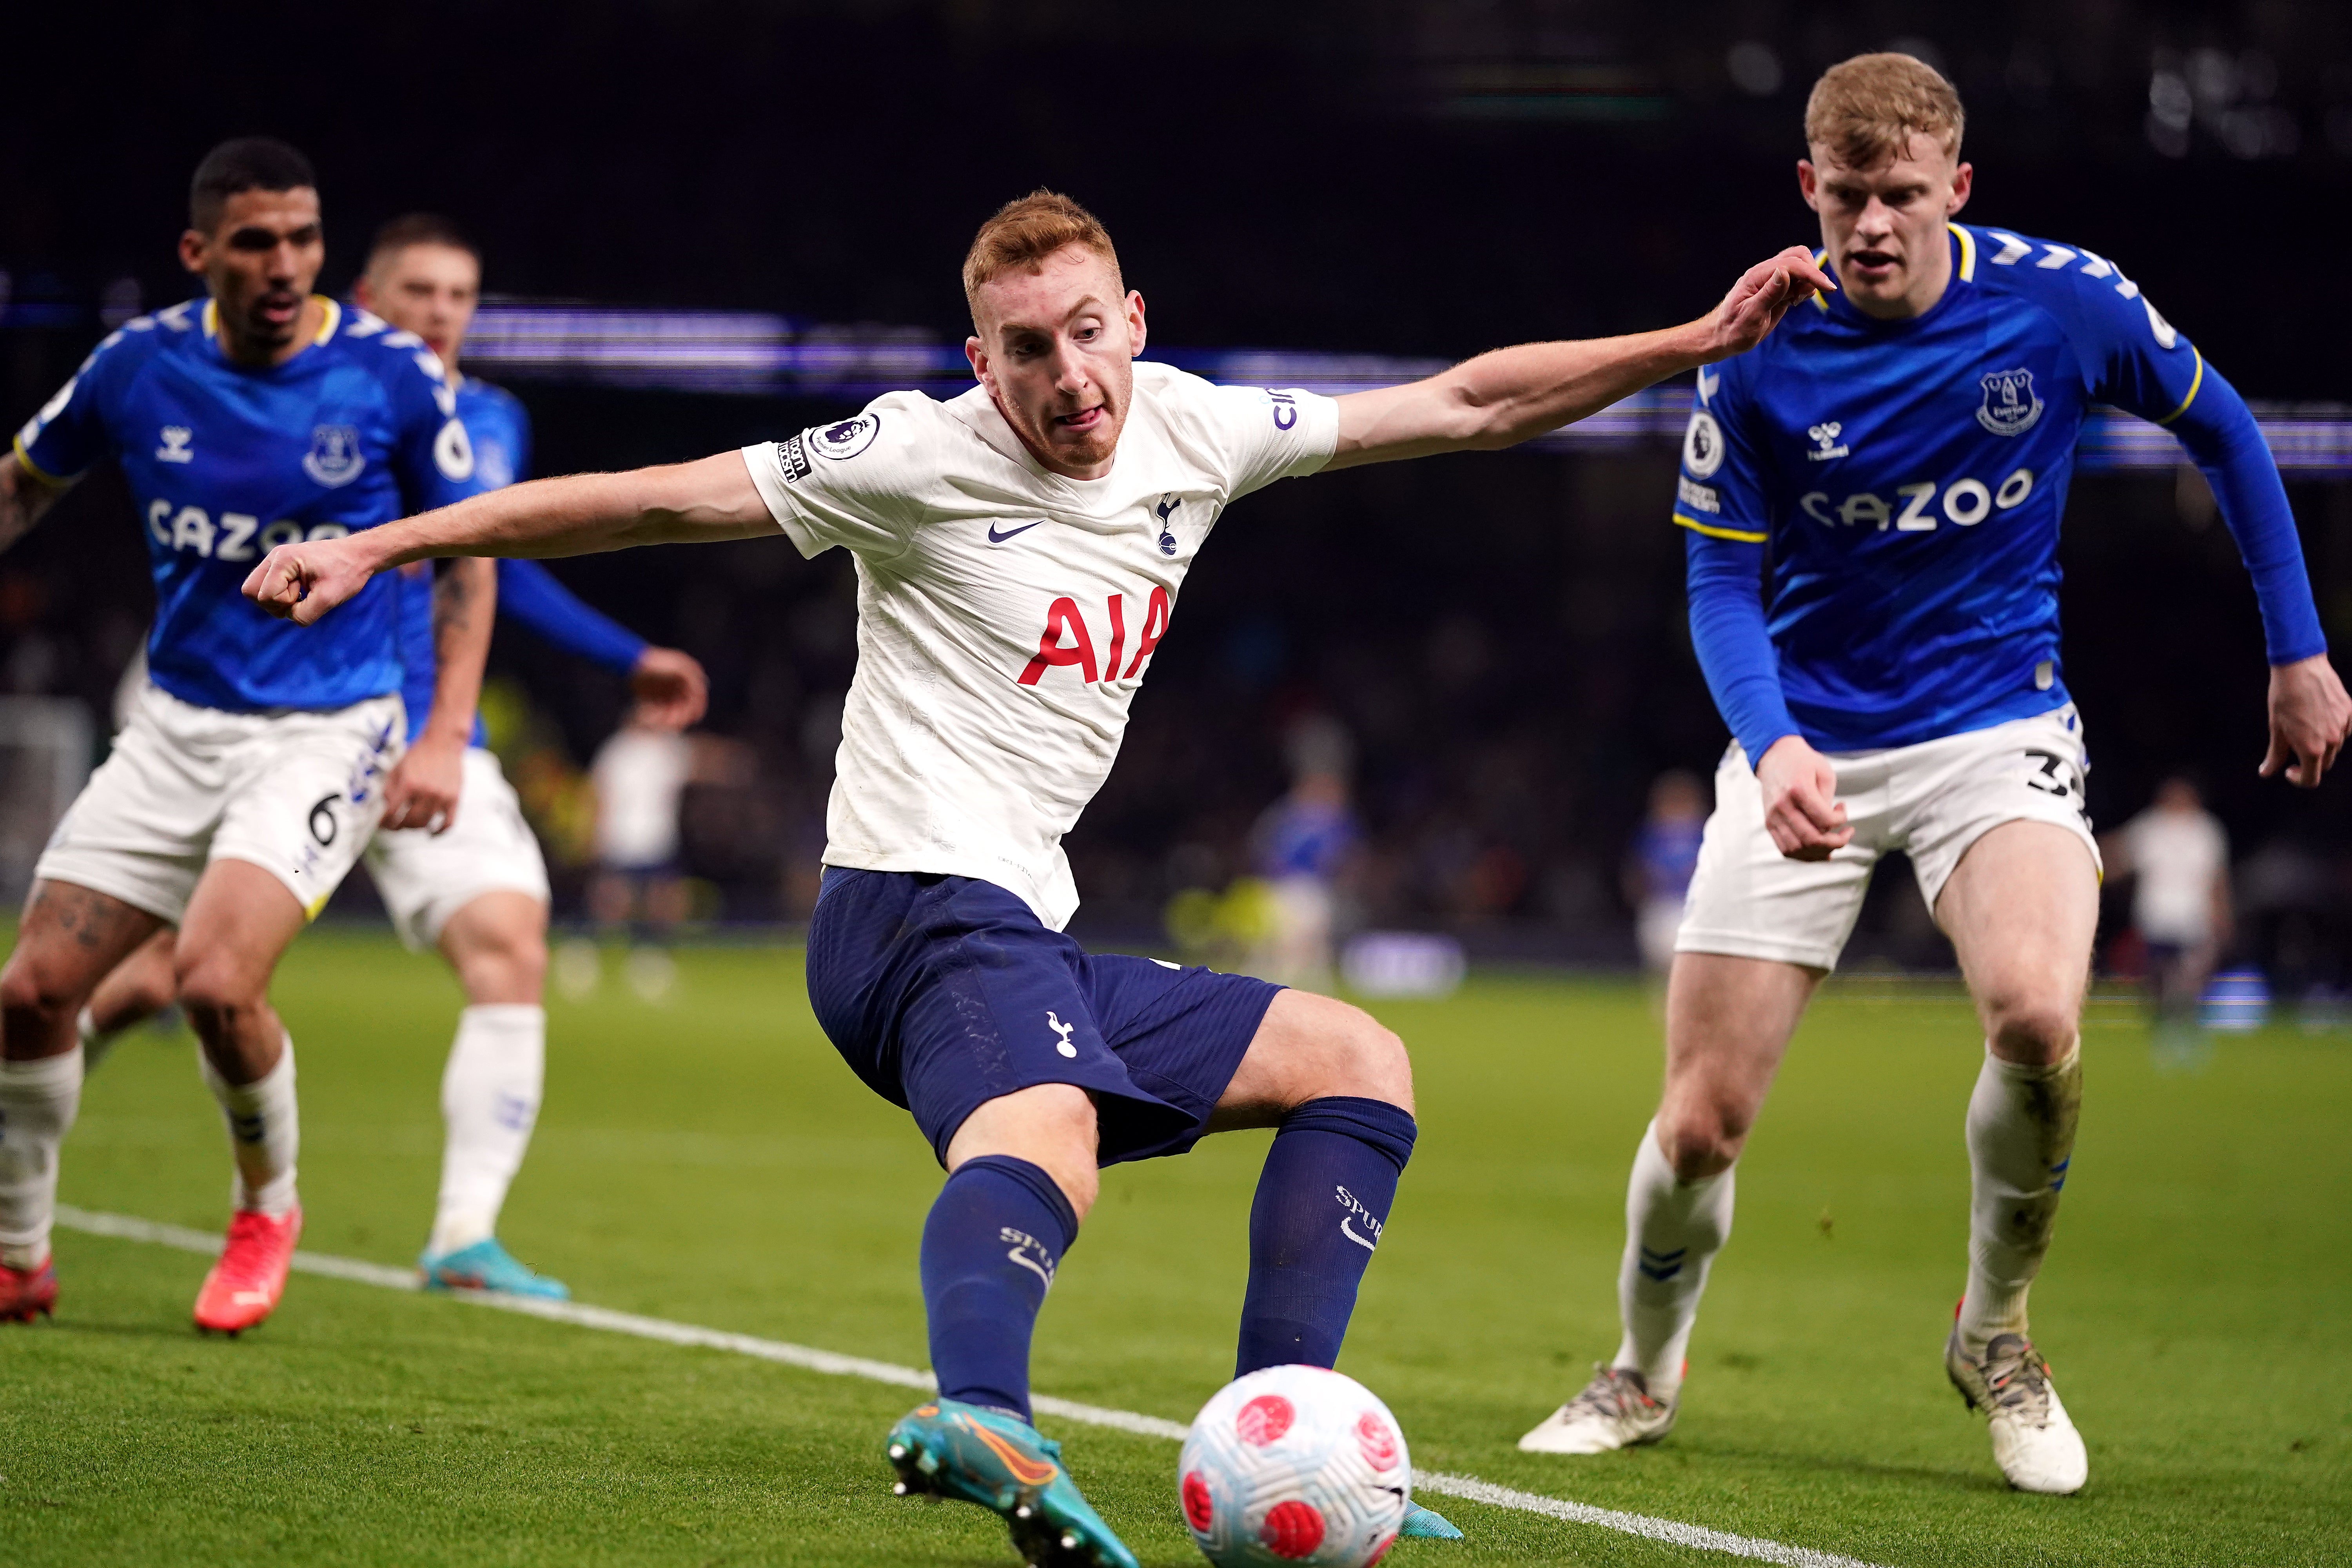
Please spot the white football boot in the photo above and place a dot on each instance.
(2033, 1440)
(1615, 1411)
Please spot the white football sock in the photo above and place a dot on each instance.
(95, 1046)
(1672, 1231)
(490, 1099)
(264, 1132)
(2020, 1137)
(37, 1102)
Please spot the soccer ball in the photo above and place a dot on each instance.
(1295, 1465)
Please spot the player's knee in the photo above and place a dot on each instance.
(217, 987)
(1375, 1062)
(2033, 1029)
(1700, 1141)
(34, 990)
(509, 966)
(1317, 1047)
(1051, 1125)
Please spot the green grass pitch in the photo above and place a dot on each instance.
(711, 1161)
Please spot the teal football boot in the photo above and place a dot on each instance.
(487, 1266)
(948, 1448)
(1428, 1524)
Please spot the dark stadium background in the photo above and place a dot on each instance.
(1502, 634)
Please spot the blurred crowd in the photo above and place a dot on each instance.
(1447, 693)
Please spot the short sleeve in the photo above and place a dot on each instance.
(858, 483)
(432, 451)
(69, 436)
(1266, 434)
(1720, 490)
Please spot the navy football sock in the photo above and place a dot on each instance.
(1321, 1202)
(995, 1235)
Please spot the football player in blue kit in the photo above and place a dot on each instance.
(477, 891)
(1019, 552)
(258, 761)
(1898, 453)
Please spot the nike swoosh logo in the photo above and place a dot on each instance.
(1027, 1471)
(996, 537)
(1360, 1241)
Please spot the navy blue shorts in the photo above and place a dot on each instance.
(944, 993)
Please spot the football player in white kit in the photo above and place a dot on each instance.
(1019, 550)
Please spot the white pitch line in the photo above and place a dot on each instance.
(1468, 1487)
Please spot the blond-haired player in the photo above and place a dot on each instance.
(1020, 552)
(1904, 446)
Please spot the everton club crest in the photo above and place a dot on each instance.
(2009, 407)
(334, 458)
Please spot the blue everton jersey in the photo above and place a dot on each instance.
(225, 461)
(1909, 478)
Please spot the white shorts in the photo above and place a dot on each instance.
(1931, 801)
(294, 794)
(425, 879)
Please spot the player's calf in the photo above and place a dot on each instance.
(1338, 1087)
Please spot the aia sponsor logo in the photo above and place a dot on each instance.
(1068, 641)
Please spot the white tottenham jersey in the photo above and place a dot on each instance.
(1006, 615)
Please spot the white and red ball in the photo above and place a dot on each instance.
(1295, 1465)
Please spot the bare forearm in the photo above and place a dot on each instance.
(23, 499)
(583, 514)
(465, 603)
(1508, 396)
(1512, 395)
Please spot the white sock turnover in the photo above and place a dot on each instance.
(37, 1102)
(1672, 1231)
(2021, 1140)
(264, 1132)
(489, 1101)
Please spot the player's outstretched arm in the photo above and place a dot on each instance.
(1502, 398)
(703, 502)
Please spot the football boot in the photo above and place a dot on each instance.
(948, 1448)
(487, 1266)
(1615, 1411)
(2033, 1439)
(243, 1288)
(29, 1293)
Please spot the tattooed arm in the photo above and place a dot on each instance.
(423, 790)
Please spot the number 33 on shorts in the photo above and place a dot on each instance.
(2055, 775)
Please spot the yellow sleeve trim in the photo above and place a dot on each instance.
(2194, 383)
(34, 469)
(1713, 531)
(1968, 252)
